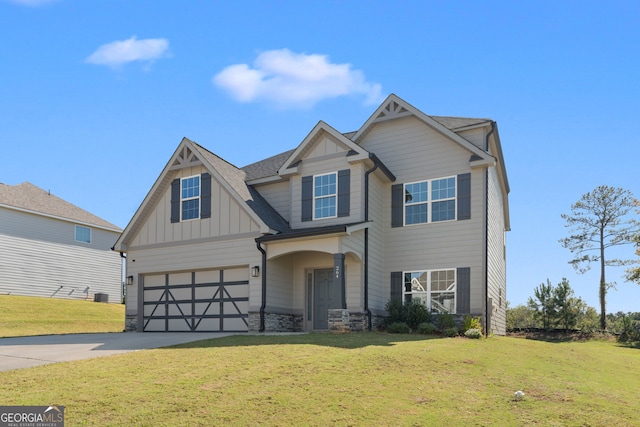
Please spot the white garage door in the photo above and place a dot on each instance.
(198, 301)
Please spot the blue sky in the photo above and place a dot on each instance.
(96, 95)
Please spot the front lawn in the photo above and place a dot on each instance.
(351, 379)
(22, 316)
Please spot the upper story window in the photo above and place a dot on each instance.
(190, 197)
(82, 234)
(430, 201)
(436, 289)
(324, 196)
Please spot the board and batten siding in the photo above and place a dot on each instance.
(415, 152)
(56, 265)
(216, 254)
(227, 218)
(496, 273)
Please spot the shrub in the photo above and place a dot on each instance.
(398, 328)
(471, 323)
(445, 321)
(396, 312)
(426, 329)
(473, 333)
(412, 313)
(417, 314)
(450, 332)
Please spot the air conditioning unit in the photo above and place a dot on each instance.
(100, 297)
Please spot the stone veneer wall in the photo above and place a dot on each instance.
(130, 323)
(275, 322)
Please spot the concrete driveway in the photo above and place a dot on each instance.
(25, 352)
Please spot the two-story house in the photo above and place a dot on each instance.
(409, 206)
(52, 248)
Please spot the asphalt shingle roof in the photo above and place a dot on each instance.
(34, 199)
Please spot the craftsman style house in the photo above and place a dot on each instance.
(409, 206)
(52, 248)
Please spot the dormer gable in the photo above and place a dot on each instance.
(322, 142)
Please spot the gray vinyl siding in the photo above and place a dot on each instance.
(40, 257)
(227, 218)
(496, 256)
(219, 254)
(475, 136)
(279, 197)
(415, 152)
(378, 279)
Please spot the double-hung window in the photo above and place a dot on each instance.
(436, 289)
(190, 197)
(324, 196)
(430, 201)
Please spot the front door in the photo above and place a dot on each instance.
(326, 295)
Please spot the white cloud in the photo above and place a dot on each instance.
(117, 53)
(290, 79)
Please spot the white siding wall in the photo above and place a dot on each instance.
(415, 152)
(497, 280)
(40, 254)
(279, 197)
(378, 277)
(227, 218)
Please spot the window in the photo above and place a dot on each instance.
(190, 197)
(440, 194)
(436, 289)
(83, 234)
(324, 196)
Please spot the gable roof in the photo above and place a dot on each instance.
(231, 178)
(394, 107)
(30, 198)
(356, 152)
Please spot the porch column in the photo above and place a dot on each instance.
(338, 277)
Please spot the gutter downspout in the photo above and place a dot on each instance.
(264, 286)
(366, 245)
(486, 234)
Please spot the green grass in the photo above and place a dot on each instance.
(22, 316)
(351, 379)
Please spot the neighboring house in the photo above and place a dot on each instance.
(52, 248)
(321, 237)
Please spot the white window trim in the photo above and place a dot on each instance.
(191, 198)
(429, 201)
(315, 198)
(75, 234)
(428, 290)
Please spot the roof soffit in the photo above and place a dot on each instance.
(355, 152)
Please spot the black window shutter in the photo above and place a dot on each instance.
(397, 205)
(463, 290)
(175, 200)
(396, 286)
(344, 192)
(307, 198)
(464, 196)
(205, 195)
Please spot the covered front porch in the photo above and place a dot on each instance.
(312, 282)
